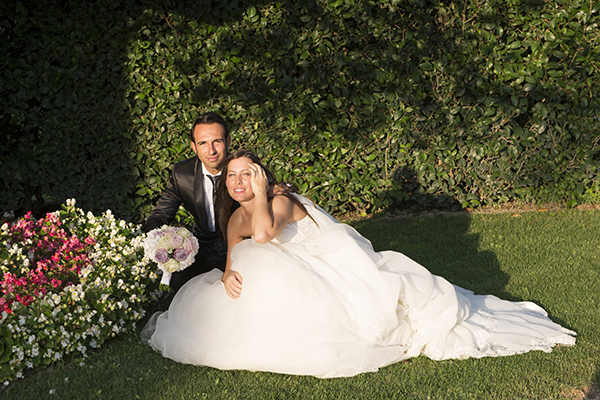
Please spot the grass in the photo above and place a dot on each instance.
(551, 258)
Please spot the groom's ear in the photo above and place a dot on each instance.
(228, 142)
(193, 147)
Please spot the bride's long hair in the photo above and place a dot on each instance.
(226, 205)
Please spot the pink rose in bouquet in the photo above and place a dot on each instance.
(181, 254)
(176, 241)
(161, 256)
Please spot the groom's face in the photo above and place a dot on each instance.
(210, 145)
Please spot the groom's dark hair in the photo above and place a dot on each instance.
(207, 119)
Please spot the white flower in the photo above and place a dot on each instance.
(52, 391)
(77, 292)
(171, 266)
(184, 233)
(86, 271)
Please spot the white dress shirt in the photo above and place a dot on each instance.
(208, 196)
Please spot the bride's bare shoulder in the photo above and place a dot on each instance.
(239, 223)
(295, 212)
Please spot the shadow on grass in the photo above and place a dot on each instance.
(442, 243)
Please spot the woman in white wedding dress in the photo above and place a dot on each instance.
(304, 294)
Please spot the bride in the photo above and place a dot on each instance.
(303, 294)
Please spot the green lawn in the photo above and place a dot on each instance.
(551, 258)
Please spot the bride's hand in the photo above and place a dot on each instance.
(258, 180)
(233, 284)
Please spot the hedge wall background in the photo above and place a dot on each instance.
(363, 104)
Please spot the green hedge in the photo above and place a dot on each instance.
(363, 104)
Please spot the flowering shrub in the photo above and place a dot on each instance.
(69, 281)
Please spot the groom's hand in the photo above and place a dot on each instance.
(233, 284)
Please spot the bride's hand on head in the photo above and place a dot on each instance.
(258, 180)
(233, 284)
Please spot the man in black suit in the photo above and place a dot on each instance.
(191, 184)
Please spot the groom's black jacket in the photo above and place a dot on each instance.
(186, 187)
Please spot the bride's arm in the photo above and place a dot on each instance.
(268, 219)
(232, 279)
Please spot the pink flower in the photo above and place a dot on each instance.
(181, 254)
(161, 256)
(191, 244)
(176, 240)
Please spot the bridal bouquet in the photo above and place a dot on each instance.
(172, 248)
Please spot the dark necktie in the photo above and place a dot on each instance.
(213, 179)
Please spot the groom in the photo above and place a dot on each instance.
(191, 184)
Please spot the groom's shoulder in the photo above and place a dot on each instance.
(186, 165)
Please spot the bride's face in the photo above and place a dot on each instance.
(238, 179)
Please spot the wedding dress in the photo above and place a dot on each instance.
(317, 300)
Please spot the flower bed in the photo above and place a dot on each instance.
(68, 282)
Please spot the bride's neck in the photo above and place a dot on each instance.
(248, 207)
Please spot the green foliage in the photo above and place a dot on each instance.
(363, 104)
